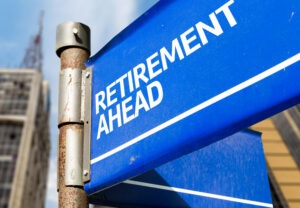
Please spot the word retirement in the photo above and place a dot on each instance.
(139, 89)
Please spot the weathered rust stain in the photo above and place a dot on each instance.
(73, 58)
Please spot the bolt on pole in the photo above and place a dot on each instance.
(73, 48)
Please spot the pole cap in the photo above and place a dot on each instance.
(72, 34)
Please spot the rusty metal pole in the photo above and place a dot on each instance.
(73, 48)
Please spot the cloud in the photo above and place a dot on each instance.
(8, 45)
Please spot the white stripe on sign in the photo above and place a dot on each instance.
(198, 193)
(267, 73)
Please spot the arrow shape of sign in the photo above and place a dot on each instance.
(187, 74)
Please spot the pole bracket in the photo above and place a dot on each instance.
(69, 96)
(74, 156)
(86, 117)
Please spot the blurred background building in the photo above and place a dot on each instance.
(281, 140)
(24, 132)
(24, 138)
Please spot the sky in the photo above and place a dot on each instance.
(19, 23)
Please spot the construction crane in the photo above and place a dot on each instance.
(33, 58)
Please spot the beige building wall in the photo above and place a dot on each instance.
(24, 105)
(281, 141)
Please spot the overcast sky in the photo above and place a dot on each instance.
(19, 22)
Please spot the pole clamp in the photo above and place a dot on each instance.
(86, 117)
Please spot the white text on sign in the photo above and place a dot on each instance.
(138, 90)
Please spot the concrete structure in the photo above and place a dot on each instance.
(24, 138)
(281, 140)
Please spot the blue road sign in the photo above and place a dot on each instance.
(186, 74)
(228, 173)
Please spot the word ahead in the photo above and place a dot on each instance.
(187, 74)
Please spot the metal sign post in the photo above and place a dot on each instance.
(73, 48)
